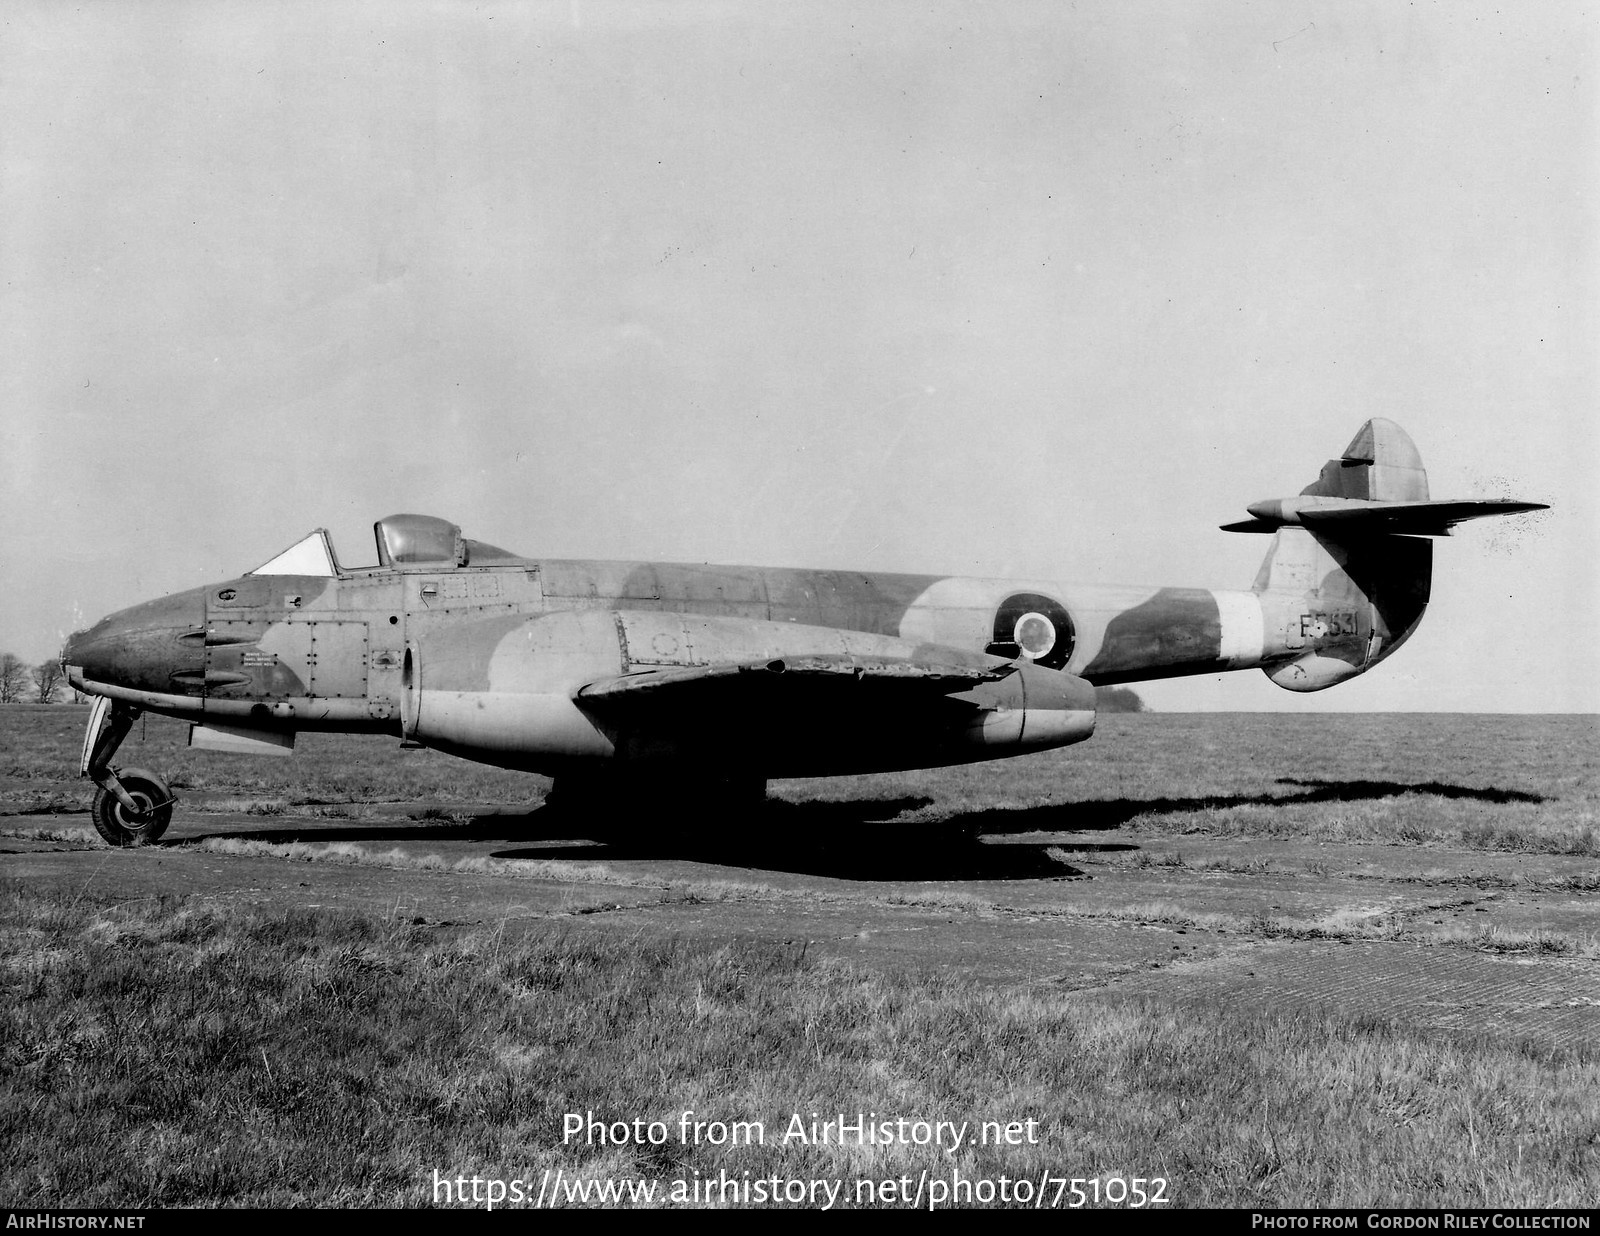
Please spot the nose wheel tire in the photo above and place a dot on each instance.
(121, 827)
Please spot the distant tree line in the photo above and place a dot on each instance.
(1118, 699)
(21, 683)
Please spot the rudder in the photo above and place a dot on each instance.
(1337, 600)
(1381, 464)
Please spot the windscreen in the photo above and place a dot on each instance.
(312, 555)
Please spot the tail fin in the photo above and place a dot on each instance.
(1381, 464)
(1347, 578)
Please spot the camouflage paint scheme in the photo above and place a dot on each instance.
(563, 666)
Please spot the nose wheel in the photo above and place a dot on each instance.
(133, 806)
(140, 824)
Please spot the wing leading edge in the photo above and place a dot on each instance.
(821, 675)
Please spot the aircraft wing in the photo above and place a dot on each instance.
(814, 679)
(783, 710)
(785, 696)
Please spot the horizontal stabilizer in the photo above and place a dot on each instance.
(1337, 517)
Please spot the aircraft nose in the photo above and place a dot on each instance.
(67, 656)
(145, 648)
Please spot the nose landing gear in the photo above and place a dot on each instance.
(145, 821)
(133, 806)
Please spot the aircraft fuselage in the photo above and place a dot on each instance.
(508, 641)
(574, 668)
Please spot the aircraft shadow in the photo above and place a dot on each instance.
(907, 857)
(1098, 815)
(840, 840)
(578, 824)
(849, 840)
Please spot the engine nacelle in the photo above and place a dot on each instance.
(1032, 709)
(504, 690)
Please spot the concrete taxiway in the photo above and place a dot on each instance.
(1464, 942)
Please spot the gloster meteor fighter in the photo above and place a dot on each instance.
(596, 673)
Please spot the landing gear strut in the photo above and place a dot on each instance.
(133, 806)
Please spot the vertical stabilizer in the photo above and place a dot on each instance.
(1333, 608)
(1381, 464)
(1336, 602)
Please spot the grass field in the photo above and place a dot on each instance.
(164, 1051)
(161, 1055)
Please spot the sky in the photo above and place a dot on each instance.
(1008, 289)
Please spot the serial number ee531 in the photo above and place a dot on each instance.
(1322, 626)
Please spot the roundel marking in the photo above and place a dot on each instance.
(1035, 635)
(1039, 627)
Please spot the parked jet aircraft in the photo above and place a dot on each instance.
(589, 670)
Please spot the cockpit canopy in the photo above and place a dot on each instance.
(404, 539)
